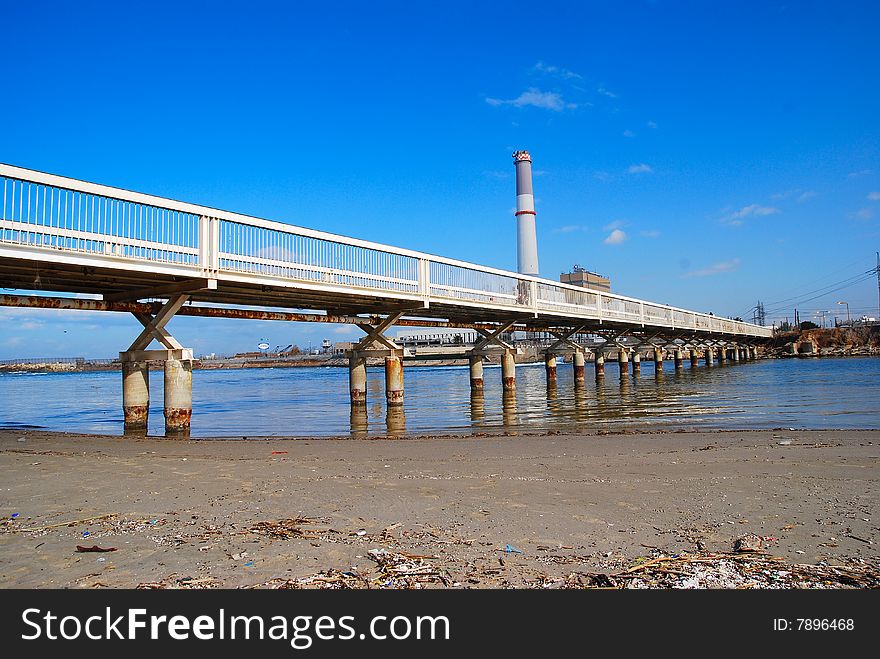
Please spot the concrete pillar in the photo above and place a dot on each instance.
(709, 356)
(600, 365)
(658, 359)
(679, 358)
(178, 394)
(135, 394)
(476, 364)
(579, 362)
(393, 380)
(550, 368)
(722, 355)
(735, 353)
(694, 359)
(508, 370)
(622, 359)
(357, 378)
(637, 363)
(754, 352)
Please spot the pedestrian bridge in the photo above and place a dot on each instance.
(65, 235)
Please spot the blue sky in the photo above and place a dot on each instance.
(705, 155)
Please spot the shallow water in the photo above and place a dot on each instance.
(801, 393)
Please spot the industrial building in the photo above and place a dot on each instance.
(581, 277)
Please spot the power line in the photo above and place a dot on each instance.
(839, 287)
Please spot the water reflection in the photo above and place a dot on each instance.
(816, 393)
(509, 408)
(358, 421)
(395, 420)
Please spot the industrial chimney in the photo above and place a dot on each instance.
(526, 237)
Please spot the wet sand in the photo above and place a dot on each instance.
(185, 509)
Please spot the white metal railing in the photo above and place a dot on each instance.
(53, 215)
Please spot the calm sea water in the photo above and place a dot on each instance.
(801, 393)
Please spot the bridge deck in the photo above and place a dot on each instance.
(61, 234)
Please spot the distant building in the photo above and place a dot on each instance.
(437, 336)
(586, 279)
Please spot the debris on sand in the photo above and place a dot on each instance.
(288, 528)
(748, 543)
(723, 570)
(185, 583)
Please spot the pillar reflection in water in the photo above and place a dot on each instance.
(377, 392)
(508, 408)
(358, 420)
(395, 420)
(478, 405)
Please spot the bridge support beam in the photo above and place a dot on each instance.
(678, 359)
(376, 344)
(722, 354)
(178, 371)
(707, 353)
(600, 365)
(637, 362)
(735, 353)
(135, 394)
(694, 359)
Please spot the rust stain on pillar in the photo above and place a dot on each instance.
(476, 365)
(600, 365)
(508, 370)
(394, 380)
(550, 368)
(579, 363)
(178, 395)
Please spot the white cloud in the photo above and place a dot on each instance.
(653, 233)
(615, 224)
(862, 172)
(570, 228)
(536, 98)
(602, 176)
(628, 133)
(752, 210)
(556, 71)
(716, 269)
(616, 237)
(641, 168)
(651, 124)
(864, 214)
(806, 196)
(874, 196)
(605, 92)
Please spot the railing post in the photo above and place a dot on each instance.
(642, 313)
(425, 279)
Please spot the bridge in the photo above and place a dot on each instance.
(68, 236)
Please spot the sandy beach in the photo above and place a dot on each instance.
(503, 511)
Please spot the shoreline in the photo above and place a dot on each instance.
(220, 513)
